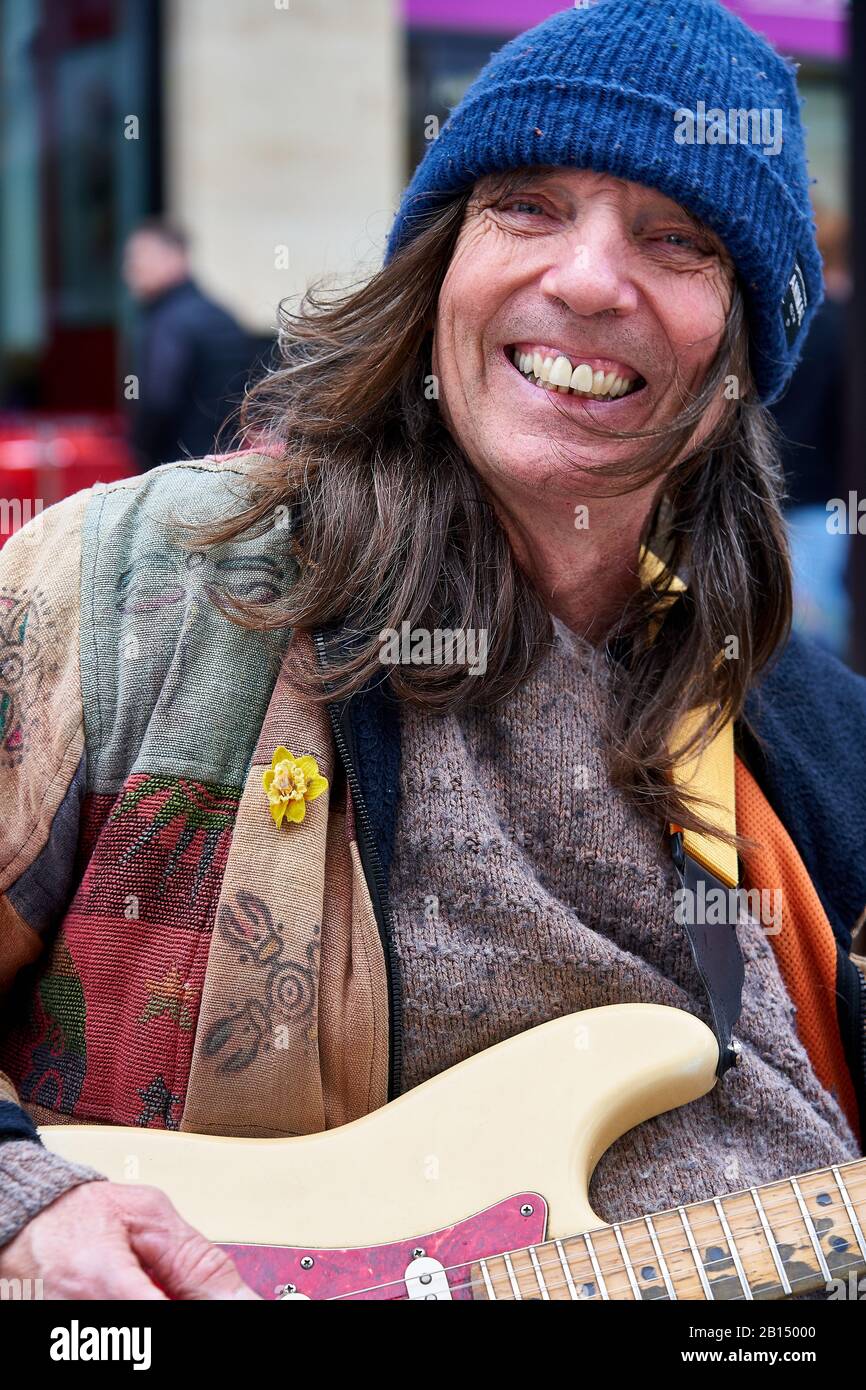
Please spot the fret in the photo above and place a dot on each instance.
(598, 1274)
(771, 1242)
(512, 1277)
(584, 1275)
(812, 1233)
(832, 1222)
(855, 1183)
(852, 1215)
(712, 1242)
(757, 1254)
(627, 1262)
(732, 1248)
(682, 1268)
(614, 1264)
(538, 1274)
(647, 1264)
(660, 1257)
(488, 1283)
(569, 1282)
(524, 1268)
(809, 1230)
(708, 1293)
(792, 1241)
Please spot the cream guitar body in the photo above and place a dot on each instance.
(491, 1157)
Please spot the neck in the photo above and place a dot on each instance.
(581, 555)
(795, 1236)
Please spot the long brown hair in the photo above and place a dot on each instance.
(390, 524)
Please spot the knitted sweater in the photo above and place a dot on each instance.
(525, 887)
(139, 860)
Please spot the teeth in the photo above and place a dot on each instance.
(582, 378)
(558, 374)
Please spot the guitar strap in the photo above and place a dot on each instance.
(707, 867)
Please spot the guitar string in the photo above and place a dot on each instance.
(664, 1296)
(610, 1284)
(795, 1220)
(618, 1283)
(697, 1227)
(508, 1295)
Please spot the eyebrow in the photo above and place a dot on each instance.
(510, 181)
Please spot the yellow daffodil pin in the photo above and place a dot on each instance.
(290, 783)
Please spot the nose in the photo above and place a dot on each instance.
(590, 269)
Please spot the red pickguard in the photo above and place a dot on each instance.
(377, 1271)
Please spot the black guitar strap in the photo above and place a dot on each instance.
(707, 867)
(714, 946)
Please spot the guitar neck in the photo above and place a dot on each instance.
(771, 1242)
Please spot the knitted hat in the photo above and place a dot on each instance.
(676, 94)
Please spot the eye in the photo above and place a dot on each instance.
(524, 205)
(685, 241)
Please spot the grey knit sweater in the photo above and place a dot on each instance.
(525, 887)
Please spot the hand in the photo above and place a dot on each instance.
(106, 1240)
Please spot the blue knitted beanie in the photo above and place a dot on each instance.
(679, 95)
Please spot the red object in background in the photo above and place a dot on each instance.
(43, 460)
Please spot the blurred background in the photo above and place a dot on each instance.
(172, 169)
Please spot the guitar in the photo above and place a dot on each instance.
(475, 1185)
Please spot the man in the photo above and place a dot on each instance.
(335, 761)
(193, 357)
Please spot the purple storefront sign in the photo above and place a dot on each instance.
(807, 28)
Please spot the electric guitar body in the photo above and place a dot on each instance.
(475, 1184)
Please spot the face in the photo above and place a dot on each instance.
(151, 265)
(574, 298)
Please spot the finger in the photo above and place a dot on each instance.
(111, 1272)
(182, 1261)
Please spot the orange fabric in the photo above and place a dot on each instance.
(805, 948)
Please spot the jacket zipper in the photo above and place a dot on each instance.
(372, 864)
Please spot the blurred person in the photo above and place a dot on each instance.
(275, 821)
(812, 416)
(192, 358)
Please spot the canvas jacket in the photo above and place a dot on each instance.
(168, 956)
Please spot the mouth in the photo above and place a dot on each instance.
(593, 378)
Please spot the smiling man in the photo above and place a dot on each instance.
(628, 297)
(264, 870)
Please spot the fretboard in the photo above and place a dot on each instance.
(771, 1242)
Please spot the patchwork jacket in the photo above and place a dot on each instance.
(170, 957)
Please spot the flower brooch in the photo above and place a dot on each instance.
(290, 783)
